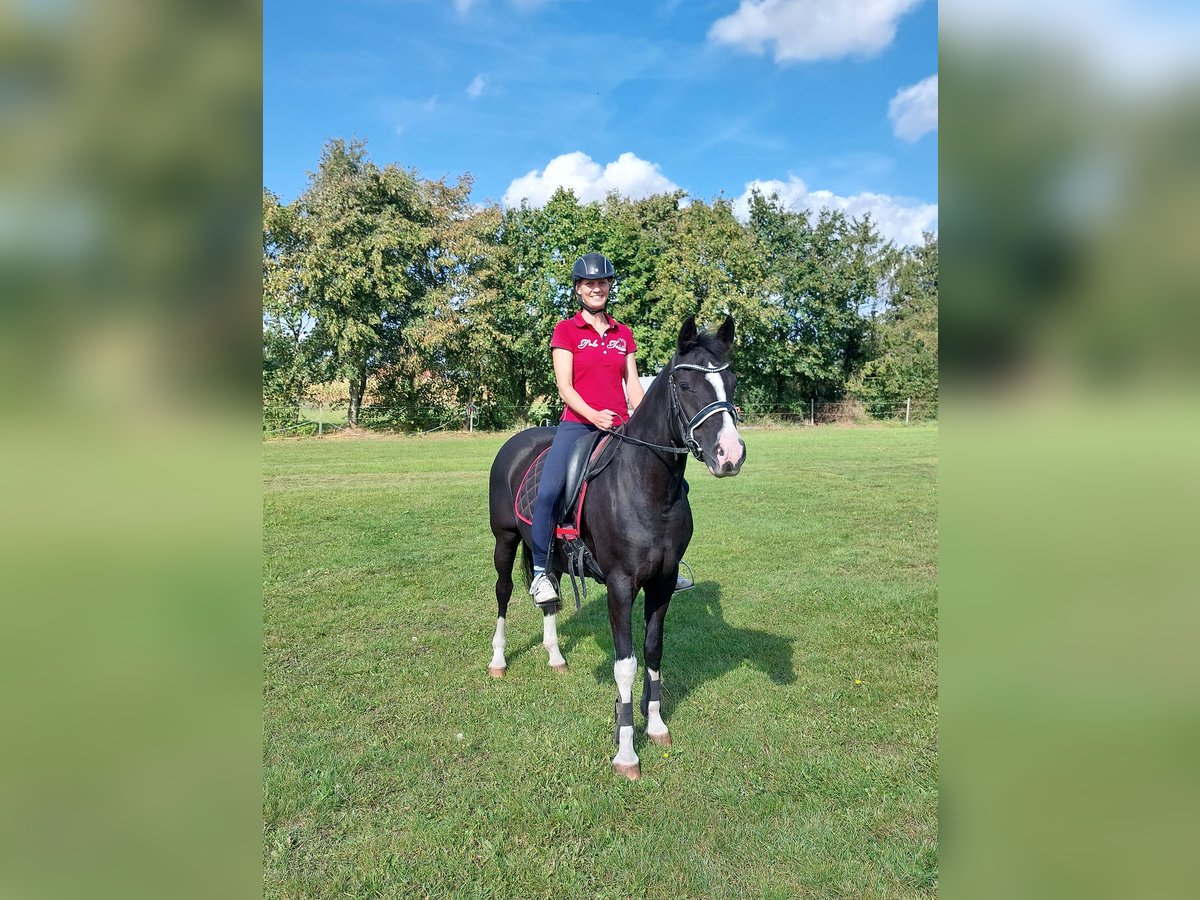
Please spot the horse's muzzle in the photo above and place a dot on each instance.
(729, 456)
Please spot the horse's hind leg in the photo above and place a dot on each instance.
(658, 598)
(549, 623)
(504, 556)
(550, 641)
(507, 543)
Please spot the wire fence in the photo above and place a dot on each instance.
(283, 421)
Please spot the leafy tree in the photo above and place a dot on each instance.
(379, 277)
(465, 339)
(822, 275)
(538, 247)
(368, 236)
(643, 235)
(906, 363)
(289, 360)
(710, 270)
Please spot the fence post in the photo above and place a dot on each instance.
(321, 420)
(812, 410)
(907, 408)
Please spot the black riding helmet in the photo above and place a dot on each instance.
(592, 265)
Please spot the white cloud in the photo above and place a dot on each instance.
(462, 7)
(897, 219)
(808, 30)
(632, 177)
(475, 88)
(914, 110)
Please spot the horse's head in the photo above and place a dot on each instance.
(702, 397)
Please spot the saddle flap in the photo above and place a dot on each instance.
(577, 468)
(586, 459)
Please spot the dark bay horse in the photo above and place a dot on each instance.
(636, 520)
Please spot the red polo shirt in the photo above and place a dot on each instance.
(599, 362)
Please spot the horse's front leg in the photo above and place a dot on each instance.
(620, 611)
(658, 598)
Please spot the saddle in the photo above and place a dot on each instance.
(587, 458)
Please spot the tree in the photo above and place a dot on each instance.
(368, 235)
(375, 275)
(710, 270)
(906, 361)
(823, 274)
(465, 339)
(538, 246)
(290, 360)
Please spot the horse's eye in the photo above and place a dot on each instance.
(684, 386)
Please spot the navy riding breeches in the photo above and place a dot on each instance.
(554, 473)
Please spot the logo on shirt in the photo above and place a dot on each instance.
(617, 344)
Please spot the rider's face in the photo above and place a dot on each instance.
(593, 292)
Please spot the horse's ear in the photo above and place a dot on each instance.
(687, 335)
(725, 334)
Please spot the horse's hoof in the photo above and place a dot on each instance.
(560, 669)
(632, 771)
(663, 740)
(496, 671)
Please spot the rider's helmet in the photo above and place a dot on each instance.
(592, 265)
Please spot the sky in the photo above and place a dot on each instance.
(829, 103)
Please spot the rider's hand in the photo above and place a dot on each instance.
(604, 418)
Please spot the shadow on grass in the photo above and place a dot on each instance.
(699, 646)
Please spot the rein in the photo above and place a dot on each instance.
(687, 430)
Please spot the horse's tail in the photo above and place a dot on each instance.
(527, 563)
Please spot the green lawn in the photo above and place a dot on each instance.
(800, 685)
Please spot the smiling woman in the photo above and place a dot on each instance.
(596, 373)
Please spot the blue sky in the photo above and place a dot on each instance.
(829, 102)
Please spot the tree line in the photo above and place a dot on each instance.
(418, 302)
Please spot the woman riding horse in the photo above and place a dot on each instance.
(593, 357)
(637, 521)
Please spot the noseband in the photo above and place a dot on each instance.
(687, 430)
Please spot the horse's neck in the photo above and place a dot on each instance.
(655, 476)
(654, 423)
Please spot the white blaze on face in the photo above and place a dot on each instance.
(729, 442)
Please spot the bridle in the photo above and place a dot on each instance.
(687, 428)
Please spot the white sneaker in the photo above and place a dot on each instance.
(683, 584)
(543, 590)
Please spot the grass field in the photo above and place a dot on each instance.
(800, 685)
